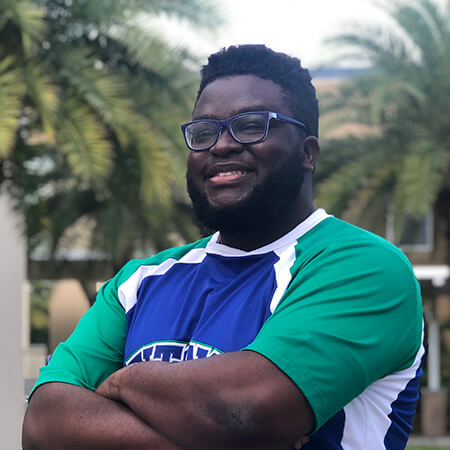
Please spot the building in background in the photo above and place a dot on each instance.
(12, 334)
(426, 243)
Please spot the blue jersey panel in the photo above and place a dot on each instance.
(402, 415)
(220, 303)
(329, 435)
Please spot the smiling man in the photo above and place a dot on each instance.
(284, 323)
(252, 197)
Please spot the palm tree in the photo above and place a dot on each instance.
(91, 99)
(73, 71)
(404, 101)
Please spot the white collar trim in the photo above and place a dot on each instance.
(303, 227)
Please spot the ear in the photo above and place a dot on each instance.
(311, 150)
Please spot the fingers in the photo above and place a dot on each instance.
(302, 441)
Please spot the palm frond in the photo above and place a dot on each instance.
(150, 51)
(424, 169)
(44, 96)
(106, 94)
(437, 17)
(336, 153)
(201, 13)
(165, 116)
(12, 90)
(104, 98)
(30, 21)
(335, 193)
(406, 96)
(368, 206)
(390, 97)
(419, 28)
(103, 90)
(84, 140)
(156, 175)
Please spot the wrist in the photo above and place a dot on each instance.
(120, 382)
(135, 381)
(112, 387)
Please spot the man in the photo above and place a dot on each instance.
(285, 323)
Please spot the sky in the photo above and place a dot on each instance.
(296, 27)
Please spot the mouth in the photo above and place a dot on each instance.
(228, 176)
(225, 174)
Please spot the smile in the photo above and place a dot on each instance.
(226, 172)
(231, 173)
(228, 177)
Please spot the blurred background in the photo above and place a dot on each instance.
(92, 160)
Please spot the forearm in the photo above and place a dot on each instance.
(65, 416)
(214, 404)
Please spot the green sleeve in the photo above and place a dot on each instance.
(95, 348)
(351, 315)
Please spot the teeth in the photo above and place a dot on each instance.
(227, 174)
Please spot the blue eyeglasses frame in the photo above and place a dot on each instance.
(221, 124)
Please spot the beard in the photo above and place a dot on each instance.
(260, 210)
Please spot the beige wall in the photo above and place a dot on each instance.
(12, 275)
(68, 303)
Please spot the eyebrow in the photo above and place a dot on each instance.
(240, 111)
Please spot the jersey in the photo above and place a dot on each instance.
(335, 307)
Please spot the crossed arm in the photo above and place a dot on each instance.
(232, 401)
(64, 416)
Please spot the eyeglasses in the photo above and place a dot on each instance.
(245, 128)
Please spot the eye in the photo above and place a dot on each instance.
(203, 132)
(251, 124)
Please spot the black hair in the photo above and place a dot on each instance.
(282, 69)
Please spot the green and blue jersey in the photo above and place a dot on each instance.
(336, 308)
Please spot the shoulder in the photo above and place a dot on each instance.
(334, 241)
(340, 264)
(175, 253)
(131, 274)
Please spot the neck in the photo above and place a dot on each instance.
(266, 233)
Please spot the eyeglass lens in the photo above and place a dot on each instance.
(246, 128)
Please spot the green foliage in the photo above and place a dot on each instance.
(404, 98)
(11, 93)
(83, 138)
(39, 316)
(25, 19)
(92, 98)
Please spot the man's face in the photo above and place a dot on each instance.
(233, 186)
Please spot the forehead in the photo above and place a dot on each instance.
(227, 96)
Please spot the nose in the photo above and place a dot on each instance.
(225, 144)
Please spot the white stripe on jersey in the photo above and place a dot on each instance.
(129, 289)
(367, 416)
(283, 273)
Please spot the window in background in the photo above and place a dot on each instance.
(416, 234)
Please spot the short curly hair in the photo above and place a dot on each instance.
(280, 68)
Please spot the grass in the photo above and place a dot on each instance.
(426, 448)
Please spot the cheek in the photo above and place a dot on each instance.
(195, 164)
(270, 158)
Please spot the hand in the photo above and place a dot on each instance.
(115, 385)
(110, 388)
(299, 444)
